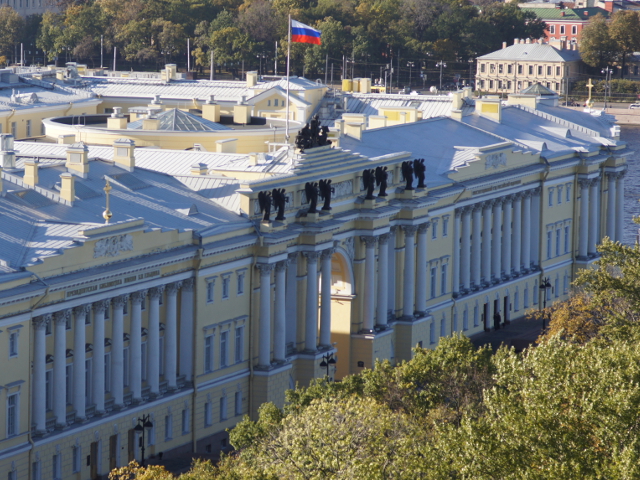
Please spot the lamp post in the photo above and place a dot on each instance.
(410, 65)
(544, 287)
(143, 424)
(442, 65)
(470, 74)
(607, 81)
(327, 360)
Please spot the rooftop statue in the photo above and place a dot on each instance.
(279, 200)
(369, 181)
(381, 180)
(325, 193)
(420, 169)
(407, 172)
(311, 190)
(312, 135)
(264, 200)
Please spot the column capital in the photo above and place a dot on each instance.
(118, 302)
(172, 288)
(282, 265)
(423, 227)
(62, 316)
(409, 230)
(42, 321)
(292, 257)
(384, 238)
(595, 182)
(369, 241)
(328, 253)
(100, 305)
(138, 297)
(82, 309)
(584, 182)
(265, 268)
(476, 207)
(536, 191)
(517, 197)
(155, 292)
(188, 283)
(393, 229)
(487, 205)
(312, 257)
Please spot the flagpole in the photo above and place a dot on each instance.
(286, 131)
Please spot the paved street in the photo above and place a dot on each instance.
(519, 334)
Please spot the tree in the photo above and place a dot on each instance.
(625, 31)
(597, 48)
(11, 25)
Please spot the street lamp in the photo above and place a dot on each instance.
(410, 65)
(608, 71)
(442, 65)
(470, 73)
(544, 287)
(143, 424)
(327, 360)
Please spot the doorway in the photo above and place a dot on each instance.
(113, 452)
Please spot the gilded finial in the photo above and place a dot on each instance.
(107, 213)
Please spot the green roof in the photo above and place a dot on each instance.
(569, 13)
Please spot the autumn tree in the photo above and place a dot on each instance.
(597, 48)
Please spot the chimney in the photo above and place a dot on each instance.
(117, 121)
(211, 110)
(226, 146)
(253, 159)
(457, 102)
(252, 79)
(199, 169)
(527, 40)
(67, 187)
(156, 103)
(504, 44)
(31, 172)
(490, 108)
(562, 14)
(124, 154)
(516, 41)
(78, 159)
(608, 6)
(150, 122)
(586, 13)
(242, 112)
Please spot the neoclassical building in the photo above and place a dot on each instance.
(139, 282)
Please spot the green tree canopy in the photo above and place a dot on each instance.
(597, 47)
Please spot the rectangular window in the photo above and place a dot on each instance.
(500, 68)
(239, 347)
(520, 69)
(76, 459)
(509, 68)
(490, 84)
(568, 192)
(49, 389)
(224, 344)
(210, 285)
(433, 282)
(57, 467)
(562, 29)
(526, 296)
(13, 419)
(574, 29)
(445, 226)
(559, 195)
(492, 68)
(240, 284)
(566, 284)
(208, 354)
(13, 344)
(125, 367)
(557, 71)
(548, 245)
(476, 319)
(434, 231)
(443, 282)
(69, 390)
(558, 231)
(185, 421)
(168, 427)
(432, 332)
(549, 70)
(36, 471)
(223, 408)
(482, 68)
(207, 414)
(225, 287)
(530, 69)
(509, 84)
(238, 404)
(28, 128)
(540, 70)
(552, 29)
(566, 239)
(551, 197)
(14, 129)
(275, 102)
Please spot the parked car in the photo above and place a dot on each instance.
(634, 105)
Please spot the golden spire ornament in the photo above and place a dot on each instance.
(107, 213)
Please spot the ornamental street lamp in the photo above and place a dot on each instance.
(327, 360)
(544, 287)
(143, 424)
(442, 65)
(608, 71)
(410, 65)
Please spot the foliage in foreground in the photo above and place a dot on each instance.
(568, 408)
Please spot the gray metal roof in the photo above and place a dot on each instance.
(532, 52)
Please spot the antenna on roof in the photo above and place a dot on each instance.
(107, 213)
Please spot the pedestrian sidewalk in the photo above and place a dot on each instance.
(520, 333)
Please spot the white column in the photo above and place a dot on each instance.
(391, 276)
(620, 207)
(408, 287)
(465, 251)
(292, 299)
(594, 190)
(135, 346)
(382, 311)
(516, 258)
(496, 241)
(535, 226)
(279, 314)
(506, 237)
(264, 329)
(456, 253)
(117, 351)
(39, 388)
(611, 206)
(171, 336)
(98, 355)
(311, 304)
(325, 298)
(369, 282)
(186, 329)
(486, 242)
(79, 361)
(526, 231)
(59, 367)
(153, 341)
(584, 219)
(476, 244)
(421, 269)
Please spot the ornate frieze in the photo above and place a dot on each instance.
(112, 246)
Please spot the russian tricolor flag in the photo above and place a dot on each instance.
(302, 33)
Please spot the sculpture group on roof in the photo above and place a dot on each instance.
(312, 135)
